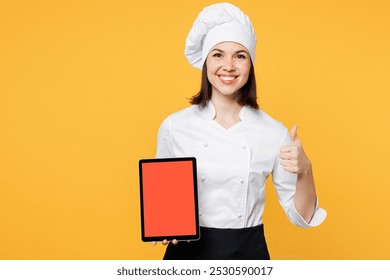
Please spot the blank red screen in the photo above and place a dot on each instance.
(168, 198)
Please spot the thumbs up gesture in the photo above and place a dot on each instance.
(292, 158)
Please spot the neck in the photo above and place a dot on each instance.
(225, 105)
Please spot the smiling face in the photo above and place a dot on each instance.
(228, 67)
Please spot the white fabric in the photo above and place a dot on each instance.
(215, 24)
(233, 165)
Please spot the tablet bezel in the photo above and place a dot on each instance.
(196, 236)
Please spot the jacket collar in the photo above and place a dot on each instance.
(210, 113)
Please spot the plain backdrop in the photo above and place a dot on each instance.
(85, 85)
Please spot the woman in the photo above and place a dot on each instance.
(236, 144)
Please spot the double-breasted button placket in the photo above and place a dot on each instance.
(233, 165)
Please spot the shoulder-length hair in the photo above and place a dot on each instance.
(247, 95)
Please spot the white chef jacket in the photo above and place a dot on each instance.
(233, 165)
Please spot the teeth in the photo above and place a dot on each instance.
(227, 78)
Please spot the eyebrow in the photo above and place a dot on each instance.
(239, 51)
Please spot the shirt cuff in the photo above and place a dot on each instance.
(317, 219)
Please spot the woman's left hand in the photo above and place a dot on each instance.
(292, 158)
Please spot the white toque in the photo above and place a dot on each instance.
(215, 24)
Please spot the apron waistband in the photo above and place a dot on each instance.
(222, 244)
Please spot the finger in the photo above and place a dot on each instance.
(293, 152)
(154, 243)
(174, 242)
(290, 166)
(164, 242)
(293, 133)
(289, 156)
(291, 169)
(286, 149)
(289, 163)
(286, 156)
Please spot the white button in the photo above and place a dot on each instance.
(243, 146)
(200, 213)
(239, 215)
(205, 144)
(242, 181)
(202, 178)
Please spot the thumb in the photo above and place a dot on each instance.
(293, 133)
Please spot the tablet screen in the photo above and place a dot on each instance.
(169, 208)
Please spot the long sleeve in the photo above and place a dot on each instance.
(285, 185)
(164, 141)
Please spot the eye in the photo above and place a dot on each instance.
(218, 55)
(241, 56)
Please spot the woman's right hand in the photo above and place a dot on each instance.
(165, 242)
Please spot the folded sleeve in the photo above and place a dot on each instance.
(164, 141)
(285, 185)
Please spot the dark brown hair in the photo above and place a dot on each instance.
(247, 94)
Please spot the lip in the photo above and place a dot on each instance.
(227, 79)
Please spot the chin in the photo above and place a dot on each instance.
(228, 93)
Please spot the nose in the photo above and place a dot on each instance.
(228, 65)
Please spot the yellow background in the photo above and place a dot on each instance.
(84, 86)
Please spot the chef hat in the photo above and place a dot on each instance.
(215, 24)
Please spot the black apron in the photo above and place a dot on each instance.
(222, 244)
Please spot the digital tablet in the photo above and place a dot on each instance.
(169, 199)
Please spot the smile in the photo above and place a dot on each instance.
(227, 78)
